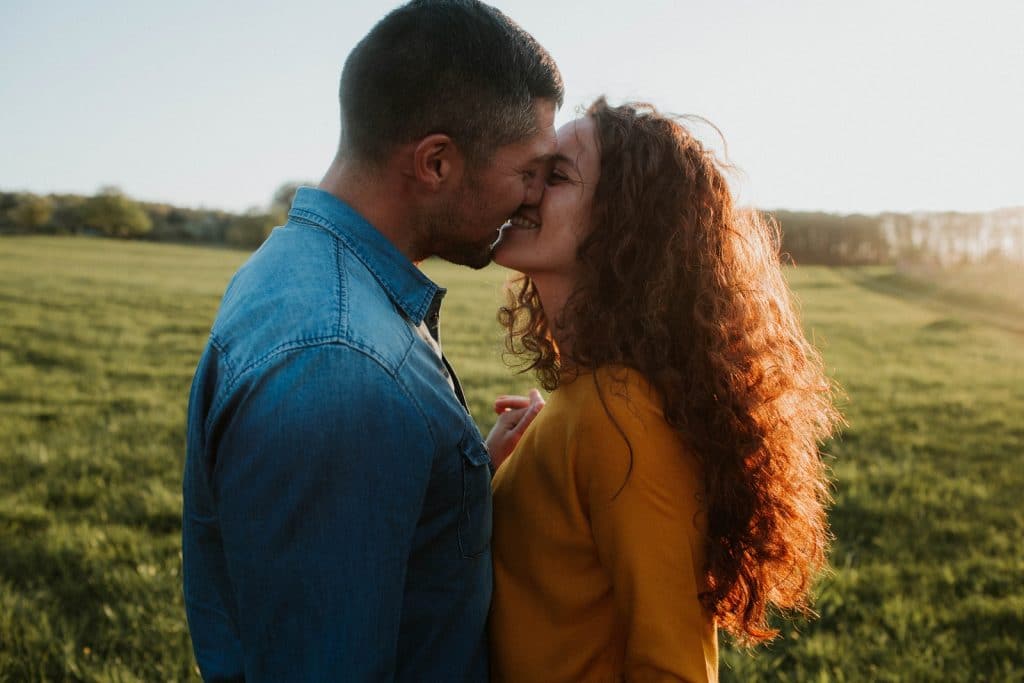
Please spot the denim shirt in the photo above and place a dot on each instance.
(337, 510)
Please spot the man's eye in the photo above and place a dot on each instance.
(529, 175)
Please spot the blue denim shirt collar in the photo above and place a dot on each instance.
(406, 285)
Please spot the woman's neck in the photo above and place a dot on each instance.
(554, 294)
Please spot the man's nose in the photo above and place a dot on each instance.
(534, 190)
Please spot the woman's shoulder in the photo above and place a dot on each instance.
(617, 405)
(613, 390)
(620, 434)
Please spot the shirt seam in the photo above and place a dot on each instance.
(309, 343)
(339, 290)
(218, 345)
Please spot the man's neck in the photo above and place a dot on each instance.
(378, 198)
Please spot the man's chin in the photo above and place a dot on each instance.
(476, 259)
(479, 262)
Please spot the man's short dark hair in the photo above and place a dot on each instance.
(457, 67)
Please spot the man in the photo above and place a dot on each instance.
(337, 493)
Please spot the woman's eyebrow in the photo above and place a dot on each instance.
(558, 157)
(546, 158)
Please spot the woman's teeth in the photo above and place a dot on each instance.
(520, 222)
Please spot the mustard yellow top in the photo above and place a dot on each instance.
(597, 564)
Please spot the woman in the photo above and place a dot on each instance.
(673, 484)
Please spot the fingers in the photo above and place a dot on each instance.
(503, 403)
(515, 402)
(526, 417)
(515, 415)
(508, 419)
(535, 397)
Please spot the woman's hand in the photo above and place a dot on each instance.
(515, 413)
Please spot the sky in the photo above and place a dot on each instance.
(867, 106)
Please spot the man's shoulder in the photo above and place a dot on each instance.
(303, 288)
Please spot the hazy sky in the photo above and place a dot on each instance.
(831, 104)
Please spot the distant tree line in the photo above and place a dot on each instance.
(110, 213)
(935, 238)
(807, 237)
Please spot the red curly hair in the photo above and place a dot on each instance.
(682, 286)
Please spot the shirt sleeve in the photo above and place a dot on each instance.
(643, 506)
(321, 470)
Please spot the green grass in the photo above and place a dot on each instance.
(98, 341)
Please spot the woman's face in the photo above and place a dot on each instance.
(544, 244)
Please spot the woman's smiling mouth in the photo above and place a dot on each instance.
(521, 222)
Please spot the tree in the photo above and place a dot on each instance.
(113, 214)
(68, 213)
(249, 230)
(283, 197)
(30, 213)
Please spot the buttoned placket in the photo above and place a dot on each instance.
(432, 321)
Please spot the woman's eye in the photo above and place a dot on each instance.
(556, 177)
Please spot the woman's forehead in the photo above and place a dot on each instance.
(577, 142)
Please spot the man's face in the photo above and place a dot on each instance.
(511, 181)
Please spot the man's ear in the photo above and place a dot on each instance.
(437, 162)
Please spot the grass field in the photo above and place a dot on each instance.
(98, 341)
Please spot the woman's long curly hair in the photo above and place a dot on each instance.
(677, 283)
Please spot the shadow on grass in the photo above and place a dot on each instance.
(960, 306)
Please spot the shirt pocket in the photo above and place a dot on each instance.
(475, 515)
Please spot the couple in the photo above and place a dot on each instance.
(338, 496)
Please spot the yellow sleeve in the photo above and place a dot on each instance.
(643, 511)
